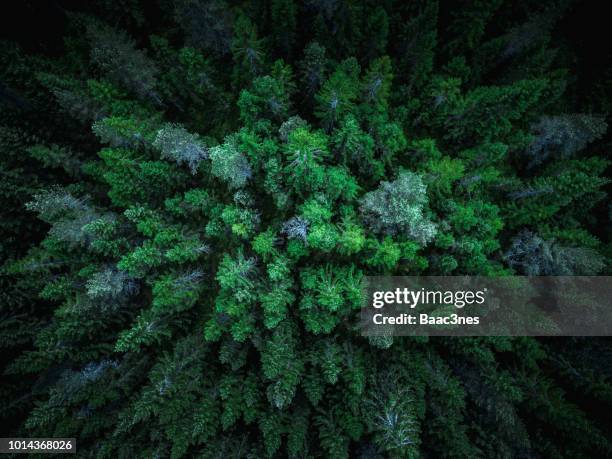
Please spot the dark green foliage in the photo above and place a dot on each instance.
(193, 191)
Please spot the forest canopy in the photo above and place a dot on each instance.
(194, 190)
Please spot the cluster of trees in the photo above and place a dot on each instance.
(193, 191)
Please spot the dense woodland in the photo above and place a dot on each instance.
(192, 192)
